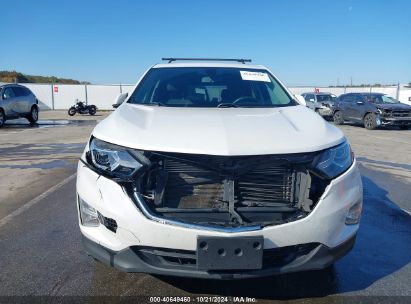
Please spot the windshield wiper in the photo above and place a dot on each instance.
(227, 105)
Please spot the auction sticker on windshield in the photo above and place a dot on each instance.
(255, 76)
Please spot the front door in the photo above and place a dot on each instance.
(358, 108)
(9, 102)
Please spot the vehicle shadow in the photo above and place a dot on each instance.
(382, 248)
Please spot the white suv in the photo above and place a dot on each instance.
(211, 170)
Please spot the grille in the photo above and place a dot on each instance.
(109, 223)
(400, 114)
(180, 259)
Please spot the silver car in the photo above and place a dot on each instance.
(320, 102)
(17, 101)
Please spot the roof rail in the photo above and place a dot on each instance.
(171, 59)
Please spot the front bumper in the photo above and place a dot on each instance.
(324, 226)
(395, 121)
(132, 259)
(325, 111)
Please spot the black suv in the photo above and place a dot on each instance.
(372, 110)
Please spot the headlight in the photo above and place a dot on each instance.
(334, 161)
(113, 160)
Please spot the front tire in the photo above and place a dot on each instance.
(370, 121)
(2, 118)
(34, 115)
(337, 117)
(72, 111)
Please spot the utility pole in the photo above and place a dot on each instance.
(351, 80)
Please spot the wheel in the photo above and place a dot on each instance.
(2, 118)
(337, 117)
(405, 127)
(370, 121)
(72, 111)
(92, 110)
(34, 115)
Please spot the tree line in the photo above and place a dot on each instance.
(17, 77)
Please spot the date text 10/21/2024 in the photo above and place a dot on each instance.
(202, 299)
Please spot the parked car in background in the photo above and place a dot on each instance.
(372, 110)
(320, 102)
(213, 170)
(17, 101)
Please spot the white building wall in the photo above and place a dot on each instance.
(300, 90)
(405, 96)
(126, 88)
(102, 96)
(66, 94)
(390, 91)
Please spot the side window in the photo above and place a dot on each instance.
(349, 98)
(18, 92)
(21, 91)
(359, 98)
(8, 93)
(369, 98)
(26, 92)
(309, 97)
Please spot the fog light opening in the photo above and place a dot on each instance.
(88, 214)
(354, 214)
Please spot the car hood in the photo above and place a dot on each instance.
(395, 106)
(218, 131)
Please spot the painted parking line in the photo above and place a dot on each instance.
(35, 200)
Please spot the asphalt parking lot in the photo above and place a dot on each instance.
(41, 254)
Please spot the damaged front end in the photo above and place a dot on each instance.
(229, 193)
(393, 117)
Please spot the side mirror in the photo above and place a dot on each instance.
(120, 99)
(300, 100)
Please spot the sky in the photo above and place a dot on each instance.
(304, 42)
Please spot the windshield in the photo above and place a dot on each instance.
(326, 97)
(381, 99)
(210, 87)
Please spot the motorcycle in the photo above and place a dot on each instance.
(81, 108)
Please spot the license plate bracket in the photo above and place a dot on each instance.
(230, 253)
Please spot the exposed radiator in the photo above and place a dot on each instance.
(196, 186)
